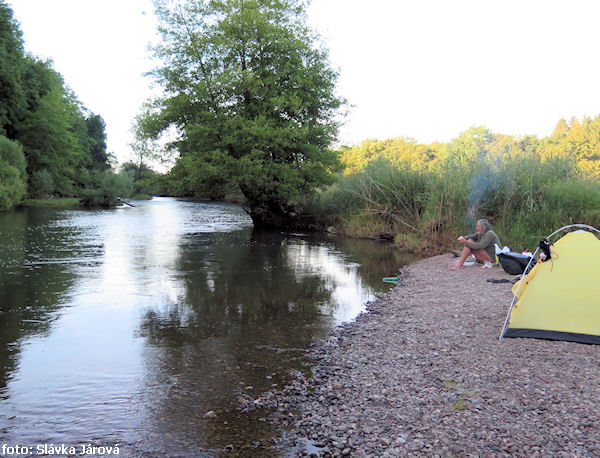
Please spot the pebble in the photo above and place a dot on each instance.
(422, 373)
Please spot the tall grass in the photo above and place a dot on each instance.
(380, 199)
(524, 196)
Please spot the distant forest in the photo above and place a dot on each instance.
(576, 139)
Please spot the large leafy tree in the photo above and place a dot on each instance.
(96, 135)
(12, 98)
(252, 98)
(50, 141)
(60, 137)
(579, 140)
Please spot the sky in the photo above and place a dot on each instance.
(424, 69)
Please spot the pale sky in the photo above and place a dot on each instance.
(426, 69)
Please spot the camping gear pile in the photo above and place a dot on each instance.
(514, 263)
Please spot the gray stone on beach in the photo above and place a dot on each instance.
(422, 373)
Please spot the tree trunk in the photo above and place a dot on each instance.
(283, 220)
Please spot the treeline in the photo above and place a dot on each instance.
(424, 195)
(50, 144)
(577, 139)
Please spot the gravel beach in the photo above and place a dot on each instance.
(422, 372)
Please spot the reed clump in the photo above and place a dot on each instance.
(524, 189)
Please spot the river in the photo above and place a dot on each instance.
(124, 327)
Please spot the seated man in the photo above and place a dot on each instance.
(481, 244)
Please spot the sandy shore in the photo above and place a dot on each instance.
(423, 373)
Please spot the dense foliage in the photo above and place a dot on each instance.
(251, 98)
(145, 182)
(423, 195)
(576, 139)
(63, 143)
(107, 188)
(13, 179)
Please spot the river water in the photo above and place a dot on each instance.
(126, 326)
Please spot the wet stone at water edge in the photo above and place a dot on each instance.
(423, 373)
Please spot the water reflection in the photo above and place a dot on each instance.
(35, 275)
(251, 304)
(127, 326)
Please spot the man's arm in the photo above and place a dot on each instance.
(483, 243)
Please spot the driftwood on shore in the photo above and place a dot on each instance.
(423, 373)
(123, 201)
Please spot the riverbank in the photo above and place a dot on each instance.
(54, 202)
(423, 373)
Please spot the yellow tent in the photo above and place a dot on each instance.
(560, 299)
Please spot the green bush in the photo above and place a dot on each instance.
(146, 182)
(108, 190)
(13, 178)
(41, 184)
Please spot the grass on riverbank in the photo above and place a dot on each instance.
(140, 196)
(62, 202)
(424, 208)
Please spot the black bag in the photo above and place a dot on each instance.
(513, 263)
(546, 251)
